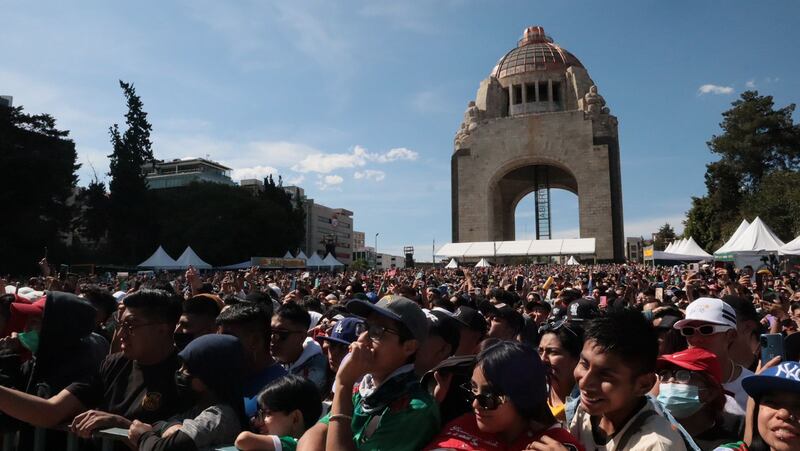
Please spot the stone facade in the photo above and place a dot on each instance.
(539, 108)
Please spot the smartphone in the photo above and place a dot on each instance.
(771, 347)
(293, 286)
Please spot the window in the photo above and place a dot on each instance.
(544, 95)
(530, 92)
(556, 92)
(517, 90)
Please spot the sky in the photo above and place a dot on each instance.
(358, 101)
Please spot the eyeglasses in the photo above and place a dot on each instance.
(705, 329)
(376, 331)
(486, 400)
(131, 328)
(680, 376)
(283, 334)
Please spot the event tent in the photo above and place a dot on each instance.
(692, 248)
(520, 248)
(739, 230)
(572, 261)
(288, 255)
(452, 265)
(483, 264)
(243, 265)
(669, 247)
(754, 243)
(314, 261)
(331, 262)
(302, 256)
(791, 248)
(160, 260)
(189, 257)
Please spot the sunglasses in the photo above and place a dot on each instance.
(486, 400)
(705, 329)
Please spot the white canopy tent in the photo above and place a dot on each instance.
(288, 255)
(314, 261)
(452, 264)
(160, 260)
(189, 257)
(572, 261)
(581, 246)
(243, 265)
(791, 248)
(302, 256)
(331, 262)
(739, 231)
(692, 248)
(483, 264)
(757, 241)
(669, 247)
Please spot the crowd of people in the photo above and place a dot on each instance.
(543, 357)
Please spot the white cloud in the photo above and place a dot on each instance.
(296, 181)
(645, 227)
(370, 174)
(256, 172)
(750, 84)
(714, 89)
(329, 182)
(324, 163)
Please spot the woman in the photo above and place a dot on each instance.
(560, 349)
(509, 405)
(776, 417)
(210, 382)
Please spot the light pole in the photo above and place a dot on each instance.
(376, 250)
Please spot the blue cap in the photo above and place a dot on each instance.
(345, 331)
(372, 297)
(783, 378)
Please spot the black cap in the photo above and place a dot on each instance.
(445, 326)
(471, 319)
(583, 309)
(512, 317)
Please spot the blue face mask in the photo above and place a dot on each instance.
(681, 400)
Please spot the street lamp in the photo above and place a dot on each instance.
(376, 250)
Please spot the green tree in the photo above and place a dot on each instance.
(129, 215)
(663, 237)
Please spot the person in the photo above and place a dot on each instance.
(472, 328)
(690, 387)
(209, 384)
(441, 343)
(286, 408)
(748, 328)
(198, 318)
(136, 383)
(710, 324)
(249, 323)
(560, 348)
(670, 339)
(506, 324)
(293, 348)
(774, 419)
(509, 409)
(335, 345)
(389, 409)
(614, 374)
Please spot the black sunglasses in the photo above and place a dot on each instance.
(486, 400)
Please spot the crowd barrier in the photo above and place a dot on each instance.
(107, 438)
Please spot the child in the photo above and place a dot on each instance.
(286, 408)
(615, 371)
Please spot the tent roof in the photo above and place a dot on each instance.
(314, 260)
(160, 260)
(739, 231)
(452, 264)
(189, 257)
(678, 248)
(330, 260)
(758, 237)
(692, 248)
(482, 264)
(669, 247)
(791, 248)
(288, 255)
(582, 246)
(301, 255)
(572, 261)
(243, 265)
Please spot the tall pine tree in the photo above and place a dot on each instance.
(129, 219)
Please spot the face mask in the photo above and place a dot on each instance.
(183, 384)
(29, 340)
(681, 400)
(182, 339)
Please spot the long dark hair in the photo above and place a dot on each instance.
(757, 443)
(516, 371)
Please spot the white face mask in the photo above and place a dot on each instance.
(682, 400)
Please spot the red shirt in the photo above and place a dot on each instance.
(463, 434)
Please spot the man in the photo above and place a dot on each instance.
(293, 348)
(335, 345)
(506, 324)
(389, 410)
(614, 374)
(472, 328)
(710, 324)
(248, 322)
(199, 317)
(748, 328)
(441, 343)
(137, 383)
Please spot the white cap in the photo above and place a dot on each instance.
(709, 310)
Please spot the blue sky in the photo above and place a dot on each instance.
(359, 101)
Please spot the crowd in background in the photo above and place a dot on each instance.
(548, 357)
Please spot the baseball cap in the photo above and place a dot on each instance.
(512, 317)
(694, 359)
(345, 331)
(444, 326)
(709, 310)
(398, 308)
(583, 309)
(34, 309)
(470, 318)
(785, 377)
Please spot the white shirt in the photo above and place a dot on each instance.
(735, 387)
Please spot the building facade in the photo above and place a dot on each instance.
(634, 249)
(386, 261)
(328, 230)
(182, 172)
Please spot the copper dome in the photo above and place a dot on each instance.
(535, 52)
